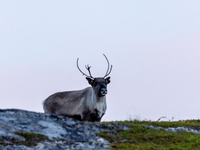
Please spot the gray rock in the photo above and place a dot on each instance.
(177, 129)
(25, 130)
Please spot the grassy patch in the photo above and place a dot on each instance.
(141, 138)
(31, 138)
(4, 143)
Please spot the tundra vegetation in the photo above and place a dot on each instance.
(31, 139)
(20, 129)
(139, 137)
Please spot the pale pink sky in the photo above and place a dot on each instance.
(154, 47)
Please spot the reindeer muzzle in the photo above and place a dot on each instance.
(102, 92)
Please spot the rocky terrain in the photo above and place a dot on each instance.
(25, 130)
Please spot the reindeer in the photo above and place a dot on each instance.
(88, 104)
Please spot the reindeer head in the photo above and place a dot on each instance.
(99, 84)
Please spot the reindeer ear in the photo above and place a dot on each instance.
(90, 81)
(107, 80)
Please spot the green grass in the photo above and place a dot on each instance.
(138, 137)
(31, 139)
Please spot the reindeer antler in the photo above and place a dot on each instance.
(109, 67)
(87, 67)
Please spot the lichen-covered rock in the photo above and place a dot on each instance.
(25, 130)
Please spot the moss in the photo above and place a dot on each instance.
(142, 138)
(3, 143)
(31, 139)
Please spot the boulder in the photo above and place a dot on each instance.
(26, 130)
